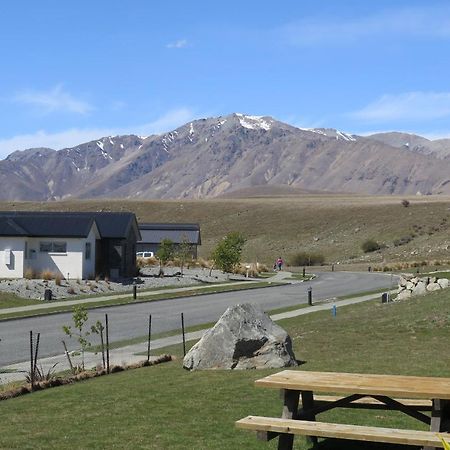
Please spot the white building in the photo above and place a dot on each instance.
(71, 245)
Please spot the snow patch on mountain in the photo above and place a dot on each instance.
(254, 122)
(314, 130)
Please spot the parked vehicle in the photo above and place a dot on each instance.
(145, 255)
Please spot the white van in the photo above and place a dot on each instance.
(145, 255)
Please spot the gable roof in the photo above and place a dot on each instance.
(66, 224)
(154, 233)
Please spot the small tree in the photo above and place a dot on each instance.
(227, 254)
(98, 329)
(184, 252)
(80, 317)
(164, 253)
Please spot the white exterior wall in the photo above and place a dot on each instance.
(89, 264)
(16, 246)
(71, 264)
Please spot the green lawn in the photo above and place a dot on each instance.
(166, 407)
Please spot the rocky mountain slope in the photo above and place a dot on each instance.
(215, 156)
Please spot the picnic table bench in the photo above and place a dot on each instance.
(414, 396)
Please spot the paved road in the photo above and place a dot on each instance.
(131, 320)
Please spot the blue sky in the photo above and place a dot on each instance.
(75, 71)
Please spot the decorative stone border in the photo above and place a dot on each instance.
(411, 285)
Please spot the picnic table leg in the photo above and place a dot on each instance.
(290, 407)
(308, 405)
(440, 417)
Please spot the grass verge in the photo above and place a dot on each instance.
(168, 407)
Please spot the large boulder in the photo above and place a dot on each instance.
(433, 287)
(244, 338)
(420, 289)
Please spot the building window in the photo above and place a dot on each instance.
(59, 247)
(45, 247)
(87, 253)
(53, 247)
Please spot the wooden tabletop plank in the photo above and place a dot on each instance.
(356, 383)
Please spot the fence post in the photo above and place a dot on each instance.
(36, 351)
(310, 296)
(107, 343)
(31, 360)
(184, 339)
(149, 336)
(134, 291)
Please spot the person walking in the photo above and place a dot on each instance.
(279, 263)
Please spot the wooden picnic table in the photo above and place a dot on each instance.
(411, 395)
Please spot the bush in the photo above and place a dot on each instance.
(144, 262)
(307, 259)
(58, 279)
(47, 275)
(405, 203)
(29, 274)
(403, 240)
(227, 254)
(370, 246)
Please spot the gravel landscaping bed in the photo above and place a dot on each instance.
(35, 289)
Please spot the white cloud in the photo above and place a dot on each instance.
(53, 100)
(72, 137)
(406, 106)
(180, 43)
(407, 22)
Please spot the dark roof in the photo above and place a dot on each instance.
(65, 224)
(154, 233)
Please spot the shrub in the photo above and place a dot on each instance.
(47, 275)
(203, 263)
(29, 274)
(227, 254)
(403, 240)
(262, 268)
(405, 203)
(71, 290)
(58, 279)
(370, 246)
(307, 259)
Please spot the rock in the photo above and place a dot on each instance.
(404, 294)
(420, 289)
(433, 287)
(410, 285)
(402, 282)
(443, 283)
(243, 338)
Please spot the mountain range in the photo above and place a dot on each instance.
(221, 155)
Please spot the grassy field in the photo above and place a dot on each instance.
(166, 407)
(334, 225)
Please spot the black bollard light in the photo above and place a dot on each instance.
(310, 296)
